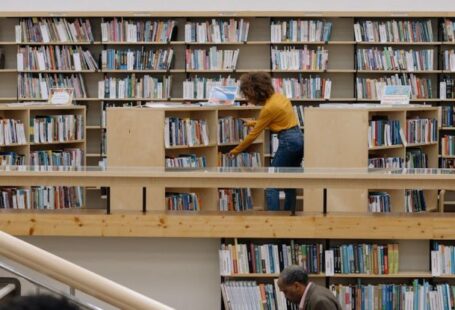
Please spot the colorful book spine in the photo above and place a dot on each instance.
(182, 201)
(12, 159)
(389, 59)
(385, 162)
(303, 88)
(235, 199)
(38, 87)
(291, 58)
(447, 116)
(186, 161)
(217, 31)
(12, 132)
(447, 87)
(414, 201)
(186, 131)
(56, 158)
(379, 202)
(416, 158)
(393, 31)
(448, 145)
(57, 128)
(384, 133)
(211, 59)
(448, 30)
(56, 197)
(421, 130)
(232, 130)
(132, 87)
(114, 59)
(251, 160)
(300, 31)
(122, 30)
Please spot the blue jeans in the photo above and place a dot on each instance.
(288, 154)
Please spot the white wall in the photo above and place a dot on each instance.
(228, 5)
(182, 273)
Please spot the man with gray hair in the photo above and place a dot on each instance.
(293, 282)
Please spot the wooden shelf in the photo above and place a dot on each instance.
(57, 142)
(8, 70)
(93, 127)
(385, 147)
(447, 128)
(421, 144)
(178, 147)
(257, 141)
(95, 155)
(14, 144)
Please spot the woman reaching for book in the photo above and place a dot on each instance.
(278, 115)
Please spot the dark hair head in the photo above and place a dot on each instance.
(256, 87)
(292, 274)
(37, 302)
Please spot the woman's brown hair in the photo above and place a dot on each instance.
(256, 87)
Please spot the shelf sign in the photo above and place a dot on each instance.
(61, 96)
(396, 94)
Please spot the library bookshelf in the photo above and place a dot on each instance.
(344, 131)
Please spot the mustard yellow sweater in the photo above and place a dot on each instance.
(277, 114)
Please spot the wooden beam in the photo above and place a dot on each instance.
(216, 225)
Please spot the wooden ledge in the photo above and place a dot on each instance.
(216, 225)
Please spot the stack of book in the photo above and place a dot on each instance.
(235, 199)
(120, 30)
(379, 202)
(300, 31)
(11, 159)
(447, 88)
(373, 88)
(365, 258)
(182, 201)
(232, 130)
(211, 59)
(395, 296)
(390, 59)
(57, 128)
(130, 87)
(383, 132)
(55, 58)
(186, 131)
(218, 31)
(186, 161)
(303, 88)
(30, 86)
(12, 132)
(52, 158)
(251, 159)
(47, 30)
(416, 158)
(270, 258)
(385, 162)
(448, 145)
(114, 59)
(421, 130)
(414, 201)
(200, 87)
(393, 31)
(290, 58)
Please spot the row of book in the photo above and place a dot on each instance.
(363, 258)
(232, 130)
(200, 87)
(448, 145)
(269, 258)
(186, 131)
(235, 199)
(12, 131)
(379, 202)
(382, 132)
(121, 30)
(186, 161)
(414, 201)
(421, 130)
(251, 159)
(303, 88)
(240, 295)
(182, 201)
(55, 58)
(448, 60)
(448, 30)
(390, 59)
(211, 59)
(132, 87)
(71, 157)
(393, 31)
(442, 259)
(395, 296)
(415, 158)
(291, 58)
(217, 31)
(447, 87)
(12, 159)
(57, 128)
(300, 31)
(46, 30)
(385, 162)
(448, 163)
(41, 197)
(38, 87)
(447, 116)
(115, 59)
(373, 88)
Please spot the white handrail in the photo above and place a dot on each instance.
(74, 275)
